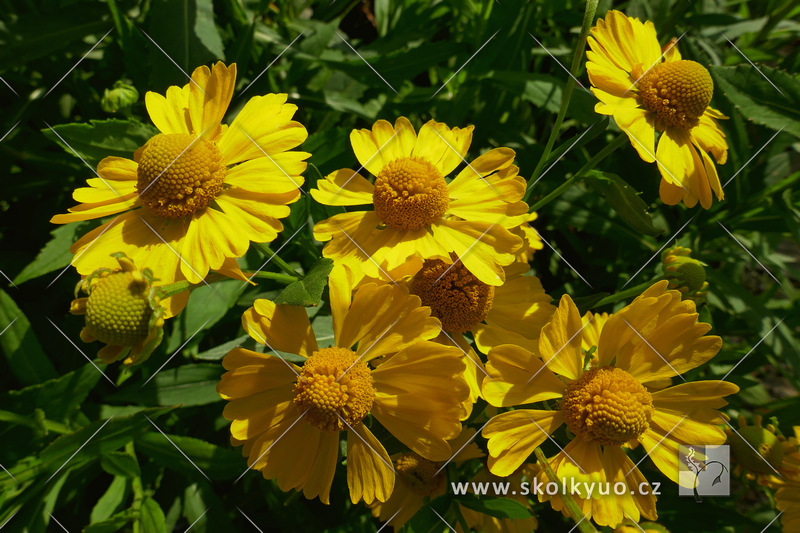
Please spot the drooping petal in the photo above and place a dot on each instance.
(513, 435)
(370, 475)
(280, 327)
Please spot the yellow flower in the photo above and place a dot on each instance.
(787, 497)
(610, 405)
(420, 480)
(289, 417)
(417, 214)
(122, 310)
(200, 189)
(647, 91)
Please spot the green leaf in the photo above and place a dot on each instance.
(214, 461)
(208, 304)
(55, 254)
(22, 350)
(185, 385)
(624, 200)
(152, 517)
(102, 138)
(307, 291)
(120, 464)
(109, 501)
(756, 98)
(59, 398)
(110, 525)
(497, 507)
(218, 352)
(186, 33)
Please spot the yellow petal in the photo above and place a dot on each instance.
(710, 138)
(264, 125)
(320, 476)
(370, 475)
(210, 92)
(374, 149)
(516, 376)
(212, 237)
(97, 210)
(280, 327)
(561, 340)
(441, 146)
(257, 214)
(170, 114)
(411, 403)
(343, 187)
(640, 130)
(278, 174)
(513, 435)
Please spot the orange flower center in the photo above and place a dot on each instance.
(118, 309)
(179, 174)
(608, 406)
(334, 390)
(678, 92)
(456, 297)
(419, 474)
(410, 194)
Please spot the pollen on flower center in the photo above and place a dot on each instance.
(334, 389)
(418, 473)
(456, 297)
(608, 406)
(410, 194)
(118, 310)
(678, 92)
(179, 174)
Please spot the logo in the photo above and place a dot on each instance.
(704, 471)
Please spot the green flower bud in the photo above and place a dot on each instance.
(685, 274)
(120, 98)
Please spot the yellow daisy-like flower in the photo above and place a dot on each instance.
(647, 91)
(122, 310)
(195, 195)
(289, 418)
(420, 480)
(417, 214)
(611, 404)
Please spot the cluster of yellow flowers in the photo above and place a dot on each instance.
(432, 299)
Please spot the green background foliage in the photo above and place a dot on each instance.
(129, 476)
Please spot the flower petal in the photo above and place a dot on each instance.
(343, 187)
(370, 475)
(513, 435)
(281, 173)
(441, 146)
(561, 340)
(483, 247)
(210, 93)
(170, 114)
(516, 377)
(280, 327)
(375, 149)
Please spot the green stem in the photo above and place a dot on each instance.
(138, 493)
(584, 525)
(602, 154)
(269, 254)
(624, 295)
(165, 291)
(588, 18)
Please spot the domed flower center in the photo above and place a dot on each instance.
(456, 297)
(118, 309)
(678, 92)
(608, 406)
(410, 194)
(419, 474)
(334, 390)
(179, 174)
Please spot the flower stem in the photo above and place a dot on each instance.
(602, 154)
(584, 525)
(588, 18)
(273, 257)
(623, 295)
(138, 493)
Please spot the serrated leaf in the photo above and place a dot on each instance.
(307, 291)
(213, 461)
(151, 517)
(55, 254)
(624, 199)
(756, 98)
(102, 138)
(120, 464)
(21, 348)
(186, 385)
(109, 501)
(497, 507)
